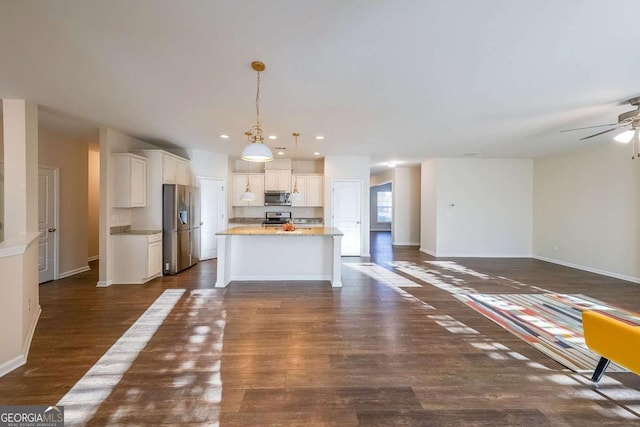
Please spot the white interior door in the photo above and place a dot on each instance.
(47, 224)
(212, 215)
(346, 215)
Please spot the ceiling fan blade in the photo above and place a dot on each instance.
(589, 127)
(600, 133)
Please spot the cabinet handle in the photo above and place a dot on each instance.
(51, 230)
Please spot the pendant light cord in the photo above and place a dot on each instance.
(258, 103)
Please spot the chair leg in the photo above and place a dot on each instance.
(603, 363)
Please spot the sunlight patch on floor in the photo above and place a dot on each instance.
(389, 279)
(84, 398)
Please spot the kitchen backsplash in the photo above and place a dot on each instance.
(259, 211)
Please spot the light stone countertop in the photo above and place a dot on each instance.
(125, 230)
(277, 231)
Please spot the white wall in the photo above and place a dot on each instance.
(348, 168)
(382, 177)
(406, 206)
(428, 206)
(587, 210)
(484, 207)
(19, 298)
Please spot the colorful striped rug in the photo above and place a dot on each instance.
(552, 323)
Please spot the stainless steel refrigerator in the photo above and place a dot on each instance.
(180, 227)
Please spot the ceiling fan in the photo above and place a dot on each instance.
(625, 120)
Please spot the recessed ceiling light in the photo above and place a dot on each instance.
(316, 153)
(319, 137)
(280, 153)
(273, 137)
(224, 136)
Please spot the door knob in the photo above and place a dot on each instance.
(51, 230)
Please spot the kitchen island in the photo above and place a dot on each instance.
(269, 253)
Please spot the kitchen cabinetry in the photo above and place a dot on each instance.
(256, 184)
(137, 257)
(130, 180)
(183, 172)
(310, 186)
(277, 180)
(169, 169)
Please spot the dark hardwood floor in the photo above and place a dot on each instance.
(373, 353)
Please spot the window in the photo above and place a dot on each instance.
(384, 206)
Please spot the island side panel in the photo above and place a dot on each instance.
(224, 262)
(280, 257)
(336, 275)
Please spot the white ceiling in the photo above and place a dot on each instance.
(395, 80)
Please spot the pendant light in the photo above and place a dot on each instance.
(247, 196)
(256, 151)
(296, 196)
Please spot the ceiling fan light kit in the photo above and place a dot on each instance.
(628, 118)
(256, 151)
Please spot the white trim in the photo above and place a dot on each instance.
(21, 359)
(427, 251)
(12, 364)
(93, 258)
(302, 278)
(589, 269)
(74, 271)
(32, 329)
(457, 255)
(17, 244)
(142, 281)
(104, 283)
(405, 243)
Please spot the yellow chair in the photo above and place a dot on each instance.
(614, 339)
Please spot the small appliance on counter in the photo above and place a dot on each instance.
(276, 218)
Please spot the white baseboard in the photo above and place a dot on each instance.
(405, 243)
(278, 278)
(456, 255)
(93, 258)
(74, 271)
(12, 364)
(32, 330)
(427, 251)
(21, 359)
(589, 269)
(104, 283)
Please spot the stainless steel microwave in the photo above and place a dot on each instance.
(277, 198)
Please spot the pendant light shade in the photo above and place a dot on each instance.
(248, 196)
(256, 151)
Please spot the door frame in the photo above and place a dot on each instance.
(56, 218)
(223, 181)
(362, 222)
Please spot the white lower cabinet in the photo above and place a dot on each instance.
(137, 258)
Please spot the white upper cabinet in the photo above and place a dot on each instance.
(130, 180)
(256, 184)
(169, 169)
(277, 180)
(183, 172)
(310, 186)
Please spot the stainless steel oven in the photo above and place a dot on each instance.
(277, 198)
